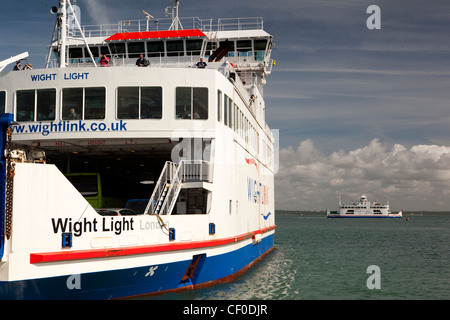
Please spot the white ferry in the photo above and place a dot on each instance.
(363, 209)
(188, 143)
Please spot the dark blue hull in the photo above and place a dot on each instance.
(138, 281)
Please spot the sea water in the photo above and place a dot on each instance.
(334, 259)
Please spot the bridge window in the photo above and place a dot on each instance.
(36, 105)
(117, 49)
(75, 53)
(260, 49)
(94, 51)
(135, 49)
(83, 103)
(139, 102)
(191, 103)
(193, 47)
(175, 48)
(155, 48)
(2, 101)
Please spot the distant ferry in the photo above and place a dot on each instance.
(363, 209)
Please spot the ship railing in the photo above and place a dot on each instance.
(187, 171)
(140, 25)
(90, 31)
(250, 23)
(196, 170)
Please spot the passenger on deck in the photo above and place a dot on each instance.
(142, 62)
(104, 60)
(201, 64)
(17, 67)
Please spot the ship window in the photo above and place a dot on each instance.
(128, 103)
(83, 103)
(230, 45)
(139, 103)
(94, 51)
(261, 44)
(135, 49)
(46, 99)
(191, 103)
(72, 103)
(260, 49)
(244, 47)
(219, 105)
(228, 110)
(2, 101)
(117, 48)
(75, 53)
(94, 103)
(151, 103)
(29, 101)
(175, 48)
(155, 48)
(193, 47)
(25, 105)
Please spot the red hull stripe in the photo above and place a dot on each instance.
(113, 252)
(156, 35)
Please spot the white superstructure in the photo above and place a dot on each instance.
(190, 142)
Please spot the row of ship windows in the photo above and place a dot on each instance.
(171, 48)
(132, 103)
(90, 103)
(234, 118)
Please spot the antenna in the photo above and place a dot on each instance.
(65, 11)
(174, 14)
(148, 16)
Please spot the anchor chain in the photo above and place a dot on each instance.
(9, 185)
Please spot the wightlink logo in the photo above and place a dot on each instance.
(69, 126)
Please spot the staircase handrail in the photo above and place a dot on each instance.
(165, 176)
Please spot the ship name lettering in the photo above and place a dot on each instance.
(61, 225)
(257, 192)
(76, 76)
(118, 226)
(43, 77)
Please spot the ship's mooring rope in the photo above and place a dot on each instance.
(161, 222)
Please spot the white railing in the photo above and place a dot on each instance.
(251, 23)
(196, 170)
(205, 25)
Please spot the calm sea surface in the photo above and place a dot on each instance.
(320, 258)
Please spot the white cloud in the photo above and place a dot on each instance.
(417, 178)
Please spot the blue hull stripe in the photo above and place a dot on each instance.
(136, 281)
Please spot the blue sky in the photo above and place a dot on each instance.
(358, 110)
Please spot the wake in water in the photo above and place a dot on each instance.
(271, 279)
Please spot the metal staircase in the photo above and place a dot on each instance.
(170, 182)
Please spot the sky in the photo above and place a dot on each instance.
(358, 110)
